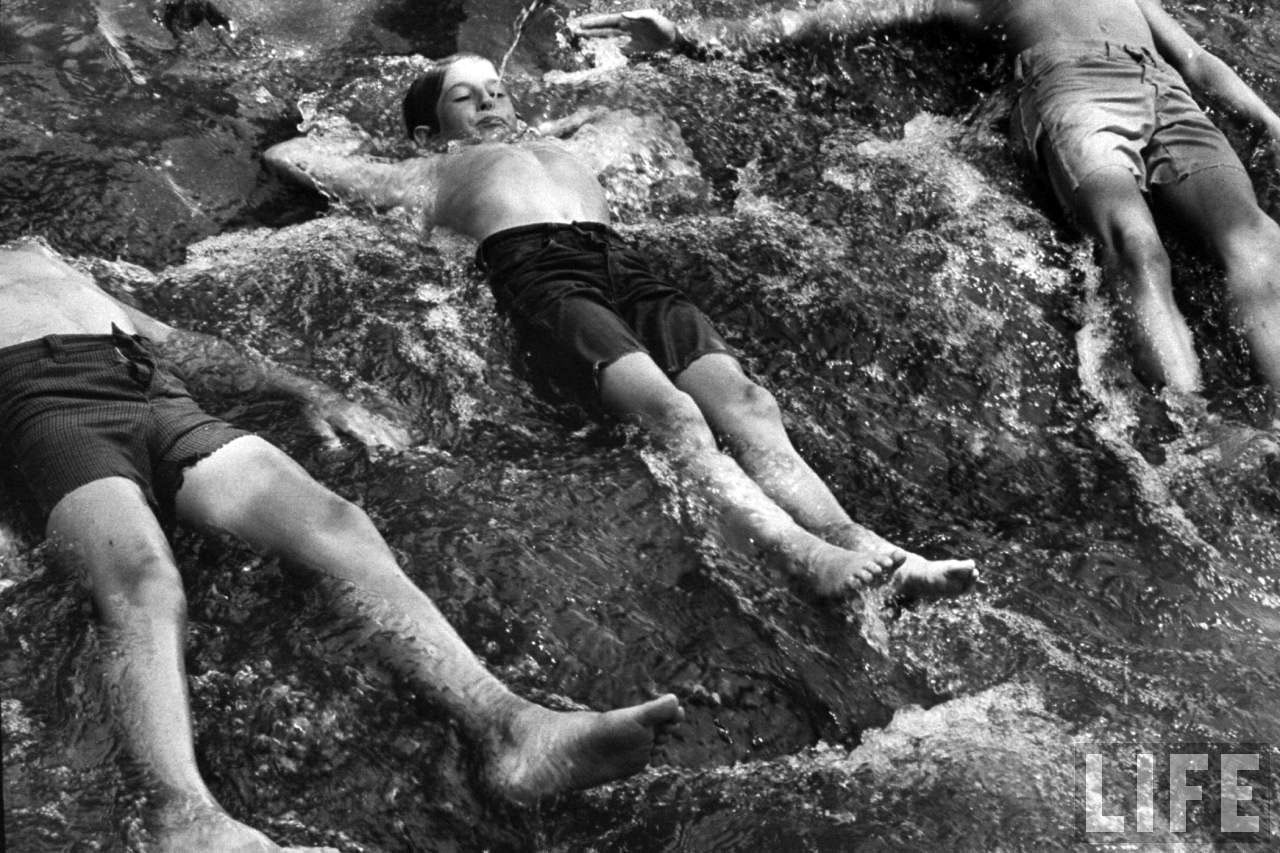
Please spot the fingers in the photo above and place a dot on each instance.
(371, 430)
(610, 24)
(599, 25)
(318, 424)
(374, 431)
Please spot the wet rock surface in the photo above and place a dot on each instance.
(853, 218)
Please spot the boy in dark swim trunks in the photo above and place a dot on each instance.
(586, 303)
(1104, 111)
(109, 442)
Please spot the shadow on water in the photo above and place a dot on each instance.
(852, 215)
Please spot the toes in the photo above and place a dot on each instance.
(962, 577)
(661, 711)
(894, 558)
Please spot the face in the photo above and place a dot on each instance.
(474, 103)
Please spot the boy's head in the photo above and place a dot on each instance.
(461, 97)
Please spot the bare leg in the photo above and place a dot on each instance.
(635, 388)
(1218, 206)
(109, 531)
(748, 418)
(1115, 212)
(255, 492)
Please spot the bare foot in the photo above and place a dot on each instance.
(917, 577)
(832, 571)
(540, 753)
(207, 827)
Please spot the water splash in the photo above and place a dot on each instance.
(517, 31)
(1117, 418)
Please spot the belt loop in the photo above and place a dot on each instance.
(57, 351)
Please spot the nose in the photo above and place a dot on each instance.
(486, 100)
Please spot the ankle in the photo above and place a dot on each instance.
(173, 808)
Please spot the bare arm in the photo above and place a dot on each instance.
(566, 126)
(224, 369)
(1204, 70)
(336, 166)
(649, 30)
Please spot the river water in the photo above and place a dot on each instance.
(850, 212)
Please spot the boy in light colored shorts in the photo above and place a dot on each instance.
(1088, 106)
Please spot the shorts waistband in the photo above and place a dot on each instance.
(539, 230)
(1106, 49)
(57, 346)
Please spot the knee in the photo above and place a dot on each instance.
(746, 402)
(143, 580)
(675, 417)
(1143, 253)
(1251, 256)
(1258, 296)
(333, 515)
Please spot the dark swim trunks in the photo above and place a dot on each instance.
(78, 408)
(581, 298)
(1088, 106)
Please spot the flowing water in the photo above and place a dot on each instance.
(850, 212)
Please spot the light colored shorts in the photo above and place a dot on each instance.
(1087, 106)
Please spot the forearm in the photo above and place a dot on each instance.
(1222, 84)
(337, 167)
(223, 369)
(569, 124)
(833, 16)
(216, 366)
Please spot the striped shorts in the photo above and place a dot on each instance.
(78, 408)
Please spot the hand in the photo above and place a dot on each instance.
(329, 413)
(649, 30)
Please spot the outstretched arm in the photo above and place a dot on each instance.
(1206, 71)
(650, 31)
(337, 167)
(217, 365)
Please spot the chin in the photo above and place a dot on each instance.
(489, 132)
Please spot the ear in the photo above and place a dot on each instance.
(422, 134)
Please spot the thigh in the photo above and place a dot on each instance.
(107, 527)
(255, 492)
(1110, 206)
(248, 488)
(1215, 205)
(1185, 142)
(1083, 118)
(61, 451)
(635, 385)
(674, 331)
(570, 342)
(712, 378)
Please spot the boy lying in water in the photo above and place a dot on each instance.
(601, 321)
(110, 442)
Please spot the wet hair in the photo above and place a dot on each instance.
(423, 98)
